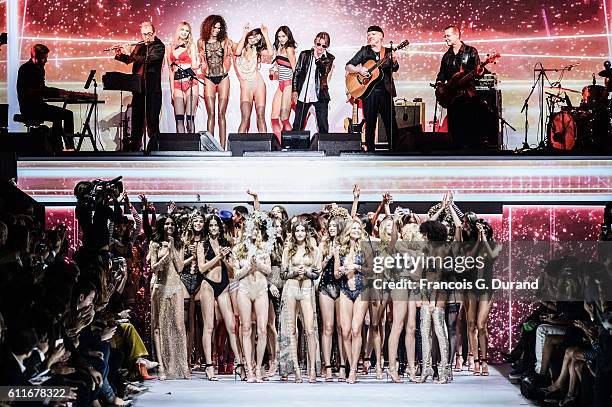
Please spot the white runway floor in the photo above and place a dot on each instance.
(465, 390)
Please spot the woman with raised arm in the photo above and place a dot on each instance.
(216, 266)
(167, 315)
(215, 50)
(329, 292)
(182, 60)
(254, 44)
(253, 263)
(348, 263)
(282, 68)
(300, 268)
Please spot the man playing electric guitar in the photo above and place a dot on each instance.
(380, 100)
(463, 109)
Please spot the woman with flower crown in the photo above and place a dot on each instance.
(253, 265)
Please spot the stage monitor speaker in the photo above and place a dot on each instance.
(295, 140)
(241, 142)
(203, 141)
(38, 141)
(413, 140)
(178, 142)
(336, 143)
(407, 115)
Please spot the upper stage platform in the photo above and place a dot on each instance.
(294, 177)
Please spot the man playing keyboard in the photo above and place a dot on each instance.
(31, 92)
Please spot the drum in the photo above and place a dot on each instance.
(594, 97)
(562, 131)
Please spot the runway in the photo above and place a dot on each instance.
(465, 390)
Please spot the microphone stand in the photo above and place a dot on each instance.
(145, 122)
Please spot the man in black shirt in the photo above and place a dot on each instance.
(463, 111)
(380, 100)
(31, 91)
(146, 56)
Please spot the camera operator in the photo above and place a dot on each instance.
(97, 204)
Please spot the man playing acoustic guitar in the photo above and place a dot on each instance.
(380, 100)
(463, 109)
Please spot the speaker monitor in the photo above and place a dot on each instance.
(336, 143)
(295, 140)
(241, 142)
(491, 110)
(203, 141)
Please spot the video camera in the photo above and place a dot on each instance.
(98, 191)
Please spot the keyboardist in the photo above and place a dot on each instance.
(31, 92)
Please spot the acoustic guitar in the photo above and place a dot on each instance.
(461, 82)
(359, 86)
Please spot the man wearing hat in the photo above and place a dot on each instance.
(380, 100)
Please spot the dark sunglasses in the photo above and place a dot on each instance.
(321, 45)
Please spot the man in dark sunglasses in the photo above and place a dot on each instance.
(310, 80)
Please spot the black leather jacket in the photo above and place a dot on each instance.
(323, 66)
(451, 63)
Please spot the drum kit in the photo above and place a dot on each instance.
(587, 127)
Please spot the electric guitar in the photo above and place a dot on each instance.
(360, 86)
(459, 83)
(352, 124)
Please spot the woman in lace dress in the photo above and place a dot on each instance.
(167, 314)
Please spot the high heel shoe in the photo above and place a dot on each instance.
(379, 372)
(312, 378)
(342, 374)
(458, 363)
(250, 375)
(210, 374)
(298, 375)
(445, 375)
(366, 366)
(412, 374)
(428, 371)
(329, 375)
(242, 374)
(470, 362)
(476, 371)
(392, 373)
(484, 367)
(352, 376)
(258, 377)
(272, 368)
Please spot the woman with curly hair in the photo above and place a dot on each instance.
(216, 266)
(215, 50)
(248, 51)
(300, 267)
(252, 256)
(348, 264)
(184, 90)
(167, 315)
(282, 70)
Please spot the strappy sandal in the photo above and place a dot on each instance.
(476, 371)
(329, 377)
(342, 374)
(210, 376)
(484, 367)
(392, 373)
(242, 374)
(458, 363)
(352, 376)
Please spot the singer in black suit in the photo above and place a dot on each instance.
(146, 56)
(310, 83)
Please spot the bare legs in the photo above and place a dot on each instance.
(327, 306)
(210, 92)
(352, 315)
(245, 306)
(281, 109)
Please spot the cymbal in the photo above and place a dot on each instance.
(605, 74)
(561, 89)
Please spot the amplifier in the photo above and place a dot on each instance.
(407, 114)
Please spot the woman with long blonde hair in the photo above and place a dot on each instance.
(182, 59)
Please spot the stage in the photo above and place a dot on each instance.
(465, 389)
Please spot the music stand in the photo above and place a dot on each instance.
(122, 82)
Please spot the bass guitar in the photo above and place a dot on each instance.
(360, 86)
(461, 82)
